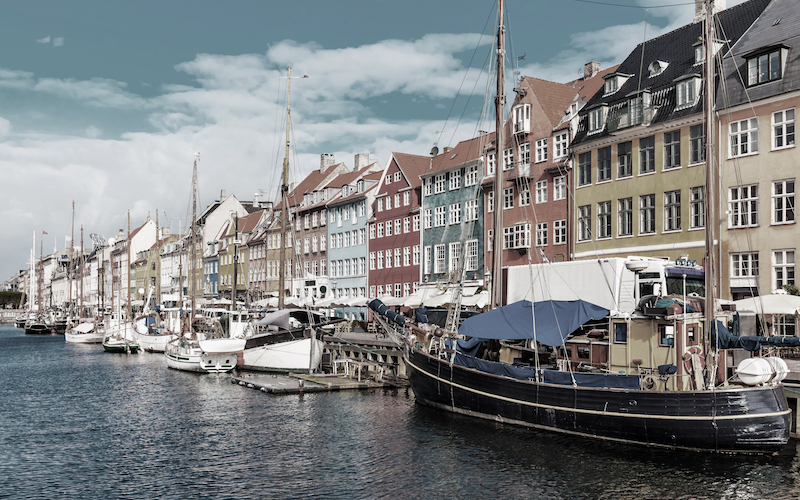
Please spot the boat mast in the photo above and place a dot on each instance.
(285, 198)
(499, 102)
(83, 263)
(39, 278)
(158, 263)
(235, 261)
(71, 305)
(128, 270)
(193, 227)
(708, 339)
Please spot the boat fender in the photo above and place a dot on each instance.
(438, 332)
(648, 383)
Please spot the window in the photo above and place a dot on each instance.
(625, 217)
(508, 198)
(585, 169)
(406, 199)
(396, 202)
(323, 216)
(406, 256)
(471, 176)
(397, 176)
(604, 219)
(597, 119)
(699, 52)
(666, 335)
(427, 186)
(455, 213)
(489, 240)
(743, 206)
(306, 221)
(783, 202)
(525, 153)
(541, 234)
(782, 268)
(517, 236)
(314, 244)
(490, 201)
(561, 144)
(604, 164)
(783, 129)
(388, 224)
(624, 163)
(426, 218)
(560, 188)
(372, 231)
(698, 207)
(397, 256)
(744, 265)
(647, 155)
(522, 118)
(541, 151)
(455, 180)
(406, 289)
(379, 205)
(388, 202)
(427, 266)
(560, 232)
(611, 85)
(508, 159)
(491, 163)
(415, 251)
(397, 223)
(471, 210)
(620, 333)
(647, 214)
(415, 222)
(406, 224)
(439, 257)
(440, 216)
(764, 67)
(471, 263)
(672, 149)
(439, 183)
(744, 137)
(388, 261)
(584, 222)
(372, 261)
(697, 148)
(672, 210)
(380, 230)
(686, 92)
(524, 195)
(455, 255)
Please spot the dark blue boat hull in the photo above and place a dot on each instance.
(730, 420)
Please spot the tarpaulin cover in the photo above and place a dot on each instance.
(608, 380)
(751, 343)
(471, 347)
(555, 320)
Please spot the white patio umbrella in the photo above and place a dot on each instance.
(776, 303)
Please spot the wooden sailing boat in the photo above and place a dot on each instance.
(708, 415)
(36, 324)
(119, 335)
(87, 330)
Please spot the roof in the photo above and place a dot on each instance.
(412, 166)
(677, 49)
(762, 34)
(463, 152)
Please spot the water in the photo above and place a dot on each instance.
(76, 422)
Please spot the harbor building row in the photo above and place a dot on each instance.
(608, 165)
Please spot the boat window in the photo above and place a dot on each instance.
(666, 335)
(621, 333)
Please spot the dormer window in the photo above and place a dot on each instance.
(361, 186)
(765, 65)
(597, 119)
(639, 109)
(613, 82)
(699, 52)
(522, 119)
(687, 89)
(657, 67)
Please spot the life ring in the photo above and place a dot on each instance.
(687, 358)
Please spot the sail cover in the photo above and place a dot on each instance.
(555, 320)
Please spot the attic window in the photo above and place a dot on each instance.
(686, 91)
(613, 82)
(766, 64)
(657, 67)
(454, 156)
(699, 52)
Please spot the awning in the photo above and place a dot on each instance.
(776, 303)
(555, 320)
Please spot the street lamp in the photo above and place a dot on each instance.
(333, 285)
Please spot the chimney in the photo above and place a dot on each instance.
(361, 161)
(326, 161)
(699, 10)
(255, 200)
(222, 195)
(592, 68)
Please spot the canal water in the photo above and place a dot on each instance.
(76, 422)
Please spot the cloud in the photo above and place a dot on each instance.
(5, 127)
(58, 41)
(99, 92)
(43, 40)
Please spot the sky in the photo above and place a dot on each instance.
(105, 103)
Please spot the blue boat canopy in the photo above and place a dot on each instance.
(555, 320)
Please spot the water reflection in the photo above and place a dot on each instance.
(76, 422)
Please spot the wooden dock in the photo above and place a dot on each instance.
(298, 383)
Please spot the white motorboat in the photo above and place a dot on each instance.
(84, 333)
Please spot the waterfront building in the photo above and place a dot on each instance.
(348, 212)
(640, 172)
(233, 253)
(394, 229)
(758, 157)
(452, 228)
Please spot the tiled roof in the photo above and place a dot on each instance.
(677, 49)
(762, 34)
(463, 152)
(412, 166)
